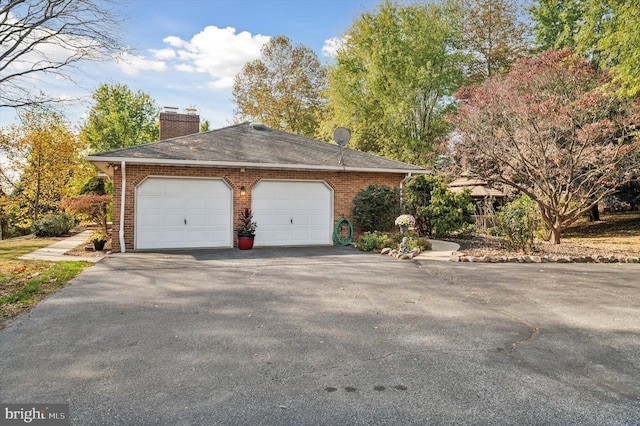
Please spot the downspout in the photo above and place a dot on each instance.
(409, 175)
(123, 191)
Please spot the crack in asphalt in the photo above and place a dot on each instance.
(533, 334)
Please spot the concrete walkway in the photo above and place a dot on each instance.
(56, 252)
(440, 250)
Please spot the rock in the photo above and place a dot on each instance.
(633, 260)
(454, 258)
(536, 259)
(404, 256)
(385, 250)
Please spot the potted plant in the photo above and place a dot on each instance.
(404, 221)
(246, 230)
(99, 240)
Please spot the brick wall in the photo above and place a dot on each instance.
(173, 124)
(345, 186)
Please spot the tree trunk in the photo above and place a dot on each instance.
(4, 227)
(555, 235)
(594, 214)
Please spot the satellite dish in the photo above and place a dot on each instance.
(341, 136)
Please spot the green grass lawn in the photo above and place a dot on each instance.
(23, 283)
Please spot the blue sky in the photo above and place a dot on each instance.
(186, 52)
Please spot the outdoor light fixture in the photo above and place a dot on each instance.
(242, 190)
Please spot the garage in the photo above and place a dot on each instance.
(292, 213)
(183, 213)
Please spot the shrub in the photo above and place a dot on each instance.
(376, 241)
(516, 223)
(418, 198)
(370, 241)
(376, 208)
(97, 185)
(89, 208)
(52, 225)
(450, 213)
(437, 210)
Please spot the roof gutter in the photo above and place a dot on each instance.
(234, 164)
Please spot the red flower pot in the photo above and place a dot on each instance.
(245, 242)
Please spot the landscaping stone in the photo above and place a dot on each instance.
(461, 257)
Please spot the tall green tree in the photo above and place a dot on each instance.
(556, 23)
(494, 36)
(283, 88)
(602, 31)
(393, 77)
(119, 118)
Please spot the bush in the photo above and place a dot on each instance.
(376, 241)
(450, 213)
(370, 241)
(52, 225)
(376, 208)
(438, 211)
(418, 198)
(516, 223)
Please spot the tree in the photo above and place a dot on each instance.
(48, 37)
(44, 155)
(204, 126)
(619, 46)
(120, 118)
(554, 129)
(494, 36)
(603, 31)
(393, 77)
(282, 89)
(556, 23)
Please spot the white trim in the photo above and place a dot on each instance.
(135, 206)
(123, 247)
(171, 162)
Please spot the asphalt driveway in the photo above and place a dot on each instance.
(331, 336)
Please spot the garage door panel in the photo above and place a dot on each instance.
(164, 204)
(292, 213)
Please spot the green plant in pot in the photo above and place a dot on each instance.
(98, 239)
(246, 230)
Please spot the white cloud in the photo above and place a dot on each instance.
(163, 54)
(331, 46)
(221, 83)
(219, 52)
(133, 64)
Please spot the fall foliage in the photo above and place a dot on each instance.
(554, 129)
(42, 156)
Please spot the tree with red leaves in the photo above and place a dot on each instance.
(554, 129)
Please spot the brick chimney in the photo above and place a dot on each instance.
(174, 124)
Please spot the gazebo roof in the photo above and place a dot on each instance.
(479, 187)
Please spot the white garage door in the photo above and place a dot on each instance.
(183, 213)
(292, 213)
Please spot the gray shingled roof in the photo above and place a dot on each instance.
(243, 144)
